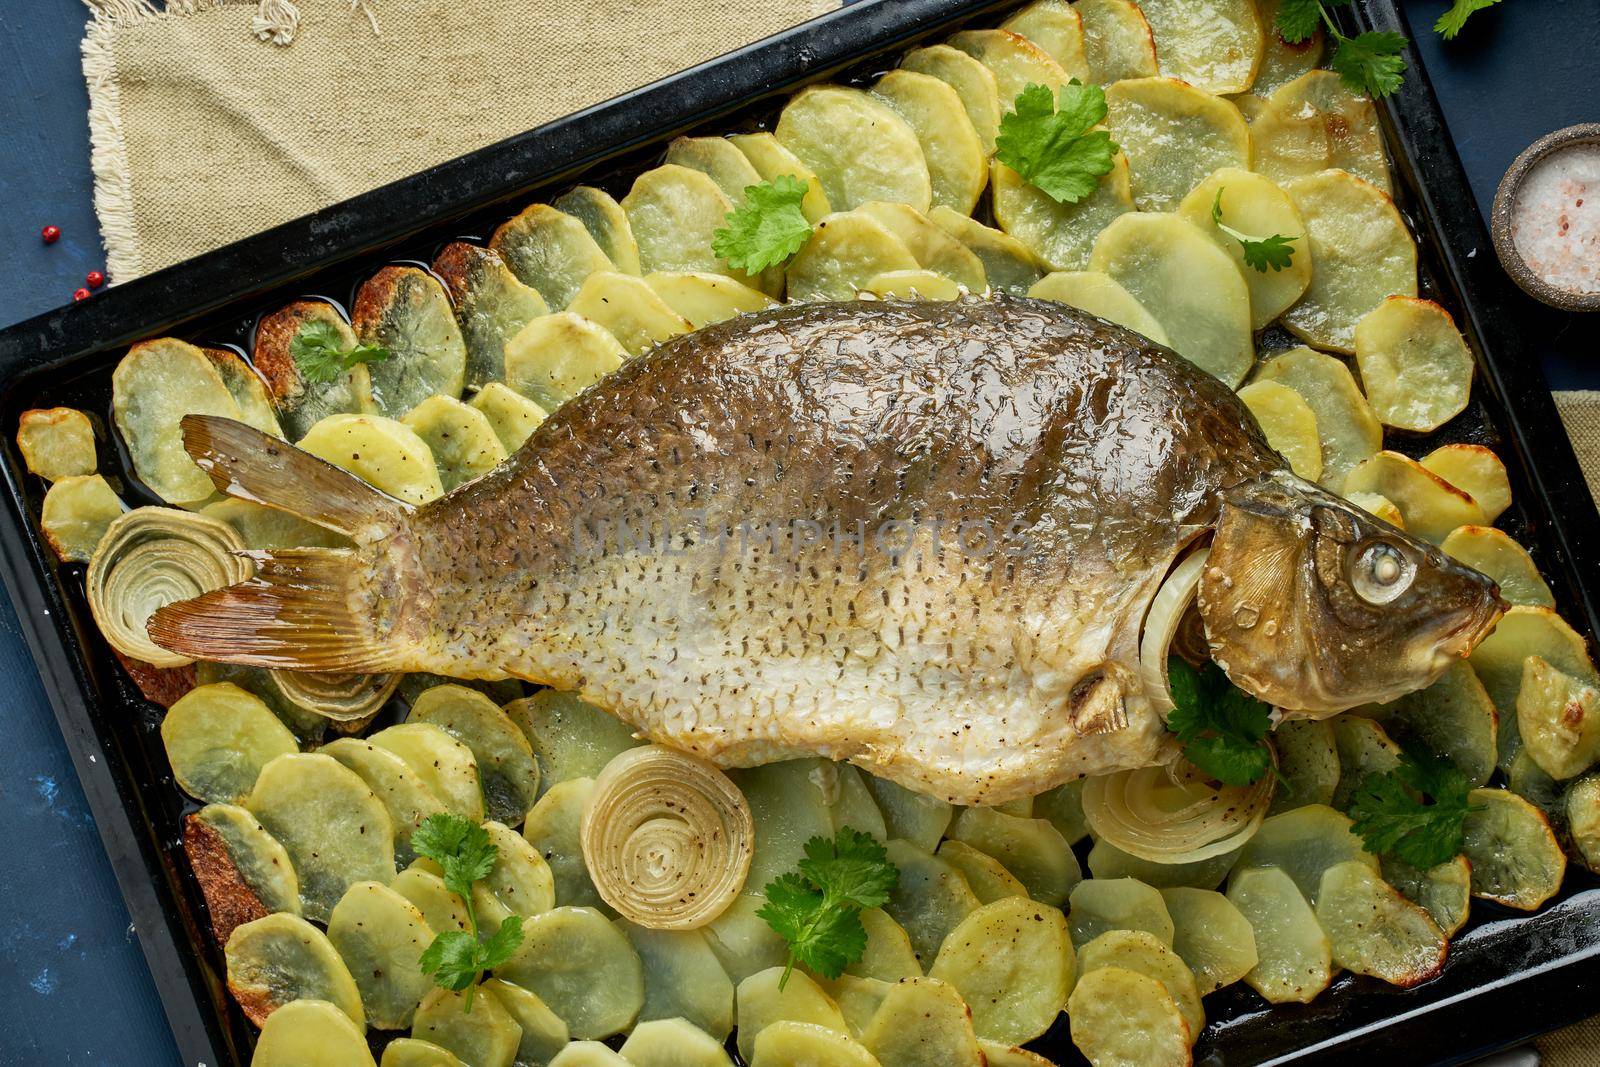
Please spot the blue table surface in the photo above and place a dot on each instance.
(73, 985)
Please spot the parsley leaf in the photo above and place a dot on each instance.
(1222, 729)
(463, 851)
(818, 910)
(1298, 20)
(767, 228)
(1451, 22)
(1370, 62)
(1275, 251)
(318, 351)
(1414, 812)
(1056, 149)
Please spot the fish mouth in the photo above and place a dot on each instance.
(1476, 625)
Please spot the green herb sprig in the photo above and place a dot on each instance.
(817, 909)
(1275, 252)
(1368, 62)
(767, 228)
(1222, 728)
(1415, 812)
(318, 351)
(1052, 143)
(458, 958)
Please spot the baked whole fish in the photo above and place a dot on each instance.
(919, 536)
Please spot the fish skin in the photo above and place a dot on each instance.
(977, 676)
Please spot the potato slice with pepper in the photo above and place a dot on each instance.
(1558, 718)
(300, 403)
(1012, 961)
(845, 252)
(491, 304)
(551, 251)
(406, 312)
(606, 222)
(1121, 1017)
(1295, 956)
(282, 958)
(923, 1022)
(1375, 930)
(1101, 904)
(1210, 935)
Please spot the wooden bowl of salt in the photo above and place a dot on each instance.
(1546, 219)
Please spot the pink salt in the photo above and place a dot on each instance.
(1555, 219)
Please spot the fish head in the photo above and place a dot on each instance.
(1316, 606)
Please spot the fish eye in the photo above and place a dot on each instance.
(1380, 572)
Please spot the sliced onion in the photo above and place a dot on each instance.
(152, 557)
(1174, 814)
(1161, 624)
(340, 697)
(667, 838)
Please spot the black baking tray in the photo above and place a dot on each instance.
(1509, 976)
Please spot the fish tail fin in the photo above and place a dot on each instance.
(311, 609)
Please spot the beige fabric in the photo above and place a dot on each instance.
(1580, 412)
(1576, 1046)
(204, 133)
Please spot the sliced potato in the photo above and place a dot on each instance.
(628, 308)
(1214, 45)
(1303, 843)
(508, 775)
(1361, 253)
(1117, 42)
(1516, 860)
(1253, 205)
(888, 956)
(825, 125)
(674, 1043)
(1308, 764)
(1008, 264)
(334, 829)
(916, 284)
(844, 253)
(933, 248)
(1031, 849)
(248, 389)
(718, 159)
(379, 451)
(761, 1002)
(1432, 507)
(1101, 904)
(1365, 749)
(1376, 931)
(1476, 471)
(281, 958)
(1282, 62)
(790, 803)
(1346, 425)
(544, 1034)
(154, 386)
(916, 817)
(1295, 956)
(1108, 861)
(1101, 296)
(557, 356)
(244, 873)
(1315, 122)
(1056, 27)
(583, 968)
(1174, 135)
(1188, 284)
(951, 147)
(77, 511)
(1494, 553)
(513, 416)
(460, 438)
(1062, 235)
(519, 883)
(703, 298)
(682, 979)
(1379, 507)
(1289, 423)
(1527, 780)
(923, 1022)
(1414, 363)
(406, 311)
(491, 304)
(998, 1055)
(1015, 62)
(785, 1043)
(550, 250)
(742, 940)
(381, 935)
(588, 1054)
(986, 875)
(1582, 809)
(407, 798)
(445, 764)
(858, 998)
(1012, 961)
(606, 222)
(1453, 718)
(931, 899)
(422, 885)
(1120, 1018)
(305, 725)
(675, 213)
(1211, 935)
(302, 404)
(767, 154)
(217, 738)
(552, 828)
(1143, 953)
(973, 82)
(1525, 631)
(569, 737)
(56, 443)
(1558, 718)
(484, 1035)
(414, 1052)
(1445, 891)
(311, 1033)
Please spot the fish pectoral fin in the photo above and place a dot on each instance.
(1098, 703)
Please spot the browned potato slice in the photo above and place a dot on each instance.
(551, 251)
(1174, 135)
(1476, 471)
(1493, 552)
(1214, 45)
(767, 154)
(950, 144)
(1015, 61)
(154, 386)
(826, 125)
(56, 443)
(302, 404)
(1414, 363)
(1121, 1018)
(1558, 718)
(243, 871)
(973, 82)
(1432, 507)
(1516, 860)
(1012, 960)
(1117, 42)
(76, 513)
(1056, 27)
(1445, 891)
(283, 958)
(405, 310)
(491, 306)
(923, 1023)
(1315, 122)
(1374, 930)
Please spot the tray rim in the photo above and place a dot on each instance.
(545, 155)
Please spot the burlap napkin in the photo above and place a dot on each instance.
(204, 132)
